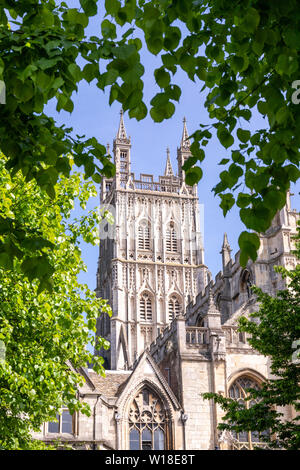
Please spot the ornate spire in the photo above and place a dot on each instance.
(121, 131)
(169, 169)
(185, 142)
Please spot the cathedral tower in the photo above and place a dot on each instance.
(151, 261)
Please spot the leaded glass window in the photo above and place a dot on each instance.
(246, 440)
(148, 422)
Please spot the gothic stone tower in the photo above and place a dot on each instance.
(151, 261)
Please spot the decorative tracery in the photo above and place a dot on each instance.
(144, 236)
(148, 422)
(173, 307)
(239, 391)
(171, 238)
(145, 307)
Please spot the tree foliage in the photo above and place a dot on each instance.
(243, 55)
(274, 332)
(44, 332)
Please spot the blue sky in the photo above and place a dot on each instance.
(92, 116)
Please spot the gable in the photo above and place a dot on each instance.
(146, 372)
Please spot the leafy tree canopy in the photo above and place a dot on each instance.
(243, 54)
(274, 332)
(44, 332)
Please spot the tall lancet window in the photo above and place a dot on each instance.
(144, 236)
(123, 162)
(145, 308)
(246, 282)
(174, 307)
(148, 422)
(171, 237)
(246, 440)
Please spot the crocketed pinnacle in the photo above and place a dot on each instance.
(121, 131)
(169, 169)
(185, 142)
(225, 245)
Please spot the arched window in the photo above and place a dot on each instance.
(246, 282)
(201, 322)
(148, 422)
(145, 308)
(239, 391)
(173, 307)
(171, 237)
(144, 236)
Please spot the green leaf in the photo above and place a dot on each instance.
(237, 64)
(160, 100)
(286, 65)
(89, 7)
(75, 71)
(193, 175)
(124, 52)
(23, 91)
(251, 20)
(262, 107)
(6, 260)
(274, 199)
(257, 218)
(191, 161)
(172, 38)
(243, 135)
(108, 29)
(249, 244)
(74, 17)
(282, 115)
(162, 77)
(224, 161)
(197, 151)
(173, 92)
(90, 71)
(227, 201)
(225, 137)
(291, 38)
(243, 200)
(112, 6)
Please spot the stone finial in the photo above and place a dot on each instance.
(225, 245)
(213, 314)
(185, 142)
(211, 303)
(121, 131)
(168, 169)
(108, 149)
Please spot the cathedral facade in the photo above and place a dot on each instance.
(173, 332)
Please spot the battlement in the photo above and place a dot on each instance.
(169, 333)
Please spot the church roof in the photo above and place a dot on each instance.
(110, 385)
